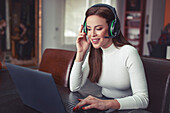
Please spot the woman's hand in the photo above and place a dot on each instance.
(100, 104)
(82, 45)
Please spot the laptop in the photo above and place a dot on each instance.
(38, 90)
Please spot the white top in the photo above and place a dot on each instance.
(122, 77)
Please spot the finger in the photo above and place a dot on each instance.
(88, 40)
(79, 39)
(88, 100)
(81, 103)
(82, 34)
(79, 100)
(89, 107)
(81, 28)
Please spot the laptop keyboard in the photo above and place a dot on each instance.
(69, 109)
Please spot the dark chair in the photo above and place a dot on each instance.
(158, 80)
(157, 50)
(150, 46)
(59, 63)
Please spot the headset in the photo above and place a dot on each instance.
(114, 25)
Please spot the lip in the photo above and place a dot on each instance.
(95, 40)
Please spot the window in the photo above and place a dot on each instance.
(74, 15)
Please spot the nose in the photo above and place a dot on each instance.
(93, 33)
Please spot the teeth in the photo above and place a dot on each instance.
(95, 40)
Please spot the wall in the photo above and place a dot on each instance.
(52, 23)
(120, 12)
(167, 15)
(148, 20)
(155, 9)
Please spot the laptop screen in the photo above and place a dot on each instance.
(36, 89)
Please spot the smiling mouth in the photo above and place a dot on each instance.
(95, 41)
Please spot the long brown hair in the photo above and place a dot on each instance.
(95, 56)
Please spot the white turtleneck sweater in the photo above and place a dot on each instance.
(122, 77)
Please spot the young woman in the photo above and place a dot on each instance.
(111, 63)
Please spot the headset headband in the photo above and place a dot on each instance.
(108, 6)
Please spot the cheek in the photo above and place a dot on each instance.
(103, 34)
(103, 39)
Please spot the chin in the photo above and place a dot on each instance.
(96, 46)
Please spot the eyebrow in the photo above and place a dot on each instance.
(96, 26)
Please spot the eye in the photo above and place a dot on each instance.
(100, 28)
(88, 29)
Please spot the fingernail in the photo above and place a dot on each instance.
(79, 99)
(74, 109)
(83, 108)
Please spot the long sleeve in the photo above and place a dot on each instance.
(79, 74)
(139, 98)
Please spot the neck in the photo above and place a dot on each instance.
(109, 49)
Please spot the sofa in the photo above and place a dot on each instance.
(158, 79)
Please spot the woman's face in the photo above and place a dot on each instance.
(97, 29)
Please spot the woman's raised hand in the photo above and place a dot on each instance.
(82, 45)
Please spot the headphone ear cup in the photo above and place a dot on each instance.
(114, 28)
(111, 27)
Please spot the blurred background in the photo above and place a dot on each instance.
(28, 27)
